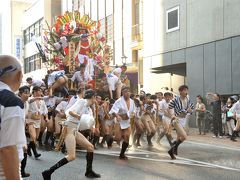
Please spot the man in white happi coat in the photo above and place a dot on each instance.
(124, 109)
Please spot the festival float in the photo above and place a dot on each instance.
(74, 40)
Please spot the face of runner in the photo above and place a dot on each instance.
(126, 94)
(92, 100)
(184, 92)
(25, 95)
(29, 81)
(160, 96)
(148, 110)
(229, 101)
(167, 98)
(37, 93)
(198, 100)
(46, 93)
(82, 70)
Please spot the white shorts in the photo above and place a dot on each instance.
(124, 124)
(36, 123)
(166, 119)
(182, 121)
(109, 122)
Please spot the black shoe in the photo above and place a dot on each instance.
(170, 152)
(29, 152)
(101, 145)
(175, 148)
(25, 175)
(123, 157)
(150, 144)
(37, 156)
(175, 151)
(92, 174)
(46, 175)
(233, 139)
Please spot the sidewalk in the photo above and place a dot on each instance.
(208, 139)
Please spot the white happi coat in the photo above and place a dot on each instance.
(42, 109)
(120, 107)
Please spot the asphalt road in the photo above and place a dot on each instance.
(195, 161)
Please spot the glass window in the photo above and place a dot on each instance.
(172, 19)
(26, 36)
(137, 13)
(34, 29)
(37, 62)
(102, 28)
(32, 63)
(26, 65)
(109, 29)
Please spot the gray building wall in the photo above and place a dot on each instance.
(208, 41)
(211, 67)
(201, 21)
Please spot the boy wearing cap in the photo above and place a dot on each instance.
(124, 109)
(75, 119)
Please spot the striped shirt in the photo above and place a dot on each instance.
(179, 106)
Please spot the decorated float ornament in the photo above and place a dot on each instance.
(63, 41)
(57, 46)
(83, 59)
(84, 33)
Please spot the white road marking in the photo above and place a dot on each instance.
(116, 154)
(214, 146)
(194, 161)
(179, 160)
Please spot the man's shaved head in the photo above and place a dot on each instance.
(7, 60)
(10, 71)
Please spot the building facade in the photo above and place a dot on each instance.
(193, 42)
(18, 8)
(34, 25)
(5, 27)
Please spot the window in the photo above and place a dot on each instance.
(34, 29)
(109, 29)
(32, 63)
(137, 27)
(137, 13)
(26, 36)
(172, 19)
(102, 27)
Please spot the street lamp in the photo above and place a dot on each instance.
(124, 59)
